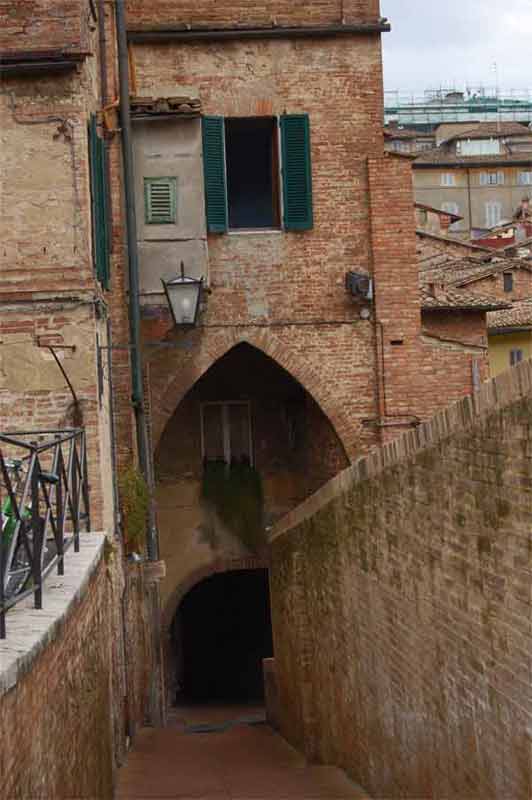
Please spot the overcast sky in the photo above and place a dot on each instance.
(435, 42)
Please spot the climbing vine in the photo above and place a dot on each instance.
(235, 493)
(134, 503)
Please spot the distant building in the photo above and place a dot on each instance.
(406, 140)
(482, 174)
(438, 106)
(510, 336)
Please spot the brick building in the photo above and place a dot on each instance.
(258, 163)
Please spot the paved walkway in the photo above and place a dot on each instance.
(224, 754)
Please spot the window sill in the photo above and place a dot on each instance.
(253, 231)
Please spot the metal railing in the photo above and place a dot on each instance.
(44, 501)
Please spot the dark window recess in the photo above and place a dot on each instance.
(252, 166)
(515, 357)
(508, 279)
(226, 432)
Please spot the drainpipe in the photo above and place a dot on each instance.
(133, 264)
(157, 711)
(469, 202)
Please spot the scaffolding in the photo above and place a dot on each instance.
(451, 105)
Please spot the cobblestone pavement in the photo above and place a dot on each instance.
(225, 754)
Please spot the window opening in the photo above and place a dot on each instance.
(508, 280)
(491, 178)
(226, 433)
(447, 179)
(478, 147)
(252, 164)
(493, 214)
(515, 357)
(524, 178)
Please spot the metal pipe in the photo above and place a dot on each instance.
(204, 34)
(133, 264)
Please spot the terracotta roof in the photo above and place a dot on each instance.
(448, 240)
(405, 133)
(459, 272)
(518, 316)
(491, 129)
(441, 157)
(447, 298)
(439, 211)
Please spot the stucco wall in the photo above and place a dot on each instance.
(401, 598)
(500, 347)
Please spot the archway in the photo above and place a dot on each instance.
(175, 371)
(220, 634)
(246, 445)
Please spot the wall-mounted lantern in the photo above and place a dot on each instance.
(183, 295)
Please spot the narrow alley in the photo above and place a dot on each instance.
(225, 753)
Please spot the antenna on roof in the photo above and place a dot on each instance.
(495, 68)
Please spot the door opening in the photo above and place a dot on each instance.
(221, 633)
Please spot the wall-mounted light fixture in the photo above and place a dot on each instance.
(183, 295)
(359, 285)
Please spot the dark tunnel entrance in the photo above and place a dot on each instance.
(221, 633)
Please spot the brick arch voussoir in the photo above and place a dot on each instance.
(216, 567)
(271, 345)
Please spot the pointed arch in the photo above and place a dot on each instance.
(175, 371)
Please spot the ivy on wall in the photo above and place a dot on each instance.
(235, 493)
(134, 504)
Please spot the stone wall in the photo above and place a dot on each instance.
(401, 598)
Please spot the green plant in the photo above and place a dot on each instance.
(235, 493)
(134, 504)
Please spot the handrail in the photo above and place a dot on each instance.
(44, 499)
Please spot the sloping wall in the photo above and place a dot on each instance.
(402, 607)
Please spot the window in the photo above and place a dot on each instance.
(493, 213)
(242, 162)
(478, 147)
(160, 201)
(252, 165)
(447, 179)
(525, 178)
(515, 357)
(226, 433)
(450, 208)
(101, 238)
(508, 281)
(491, 178)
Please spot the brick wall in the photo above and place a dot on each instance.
(284, 292)
(44, 25)
(401, 607)
(242, 13)
(55, 722)
(419, 372)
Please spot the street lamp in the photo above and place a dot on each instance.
(183, 295)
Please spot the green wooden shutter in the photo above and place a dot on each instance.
(297, 172)
(214, 172)
(160, 200)
(101, 239)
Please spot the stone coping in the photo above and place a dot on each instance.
(508, 387)
(30, 630)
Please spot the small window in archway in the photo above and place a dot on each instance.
(226, 433)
